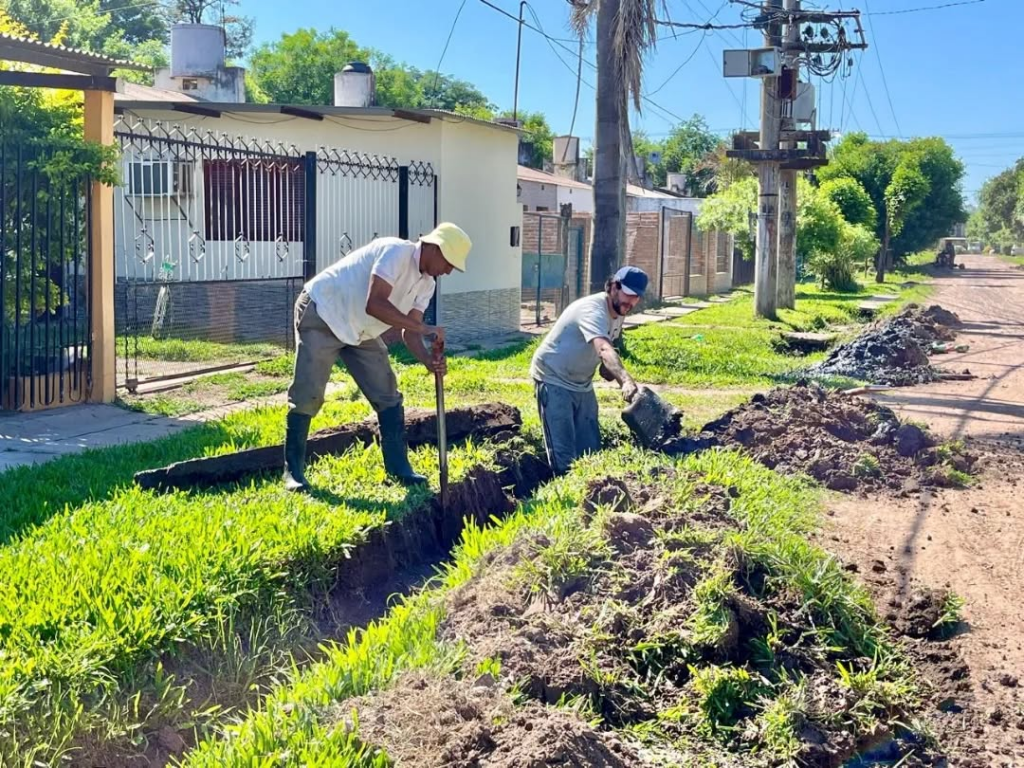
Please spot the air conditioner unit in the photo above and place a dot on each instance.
(160, 178)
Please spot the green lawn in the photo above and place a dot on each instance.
(105, 584)
(305, 721)
(196, 351)
(103, 579)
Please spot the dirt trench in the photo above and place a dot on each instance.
(614, 639)
(394, 560)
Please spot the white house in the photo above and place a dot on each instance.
(214, 198)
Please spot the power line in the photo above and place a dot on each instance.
(678, 69)
(554, 41)
(579, 76)
(923, 8)
(437, 71)
(885, 82)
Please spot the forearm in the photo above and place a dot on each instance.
(388, 313)
(613, 365)
(416, 345)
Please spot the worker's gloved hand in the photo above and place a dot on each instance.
(629, 391)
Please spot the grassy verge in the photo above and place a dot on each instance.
(745, 702)
(103, 580)
(197, 351)
(723, 346)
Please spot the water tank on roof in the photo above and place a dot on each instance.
(354, 86)
(196, 49)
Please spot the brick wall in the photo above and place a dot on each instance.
(643, 247)
(228, 312)
(473, 315)
(577, 272)
(550, 230)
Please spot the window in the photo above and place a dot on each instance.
(542, 208)
(160, 178)
(189, 84)
(259, 200)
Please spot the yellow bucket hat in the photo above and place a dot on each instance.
(453, 242)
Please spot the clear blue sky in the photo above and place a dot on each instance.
(954, 72)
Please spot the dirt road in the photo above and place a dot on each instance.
(971, 540)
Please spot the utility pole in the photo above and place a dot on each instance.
(766, 253)
(519, 49)
(786, 281)
(778, 151)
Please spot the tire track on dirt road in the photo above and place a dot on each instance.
(972, 540)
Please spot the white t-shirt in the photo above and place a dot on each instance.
(340, 291)
(566, 357)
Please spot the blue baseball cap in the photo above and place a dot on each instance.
(632, 279)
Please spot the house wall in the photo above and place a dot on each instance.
(636, 204)
(478, 192)
(537, 195)
(582, 199)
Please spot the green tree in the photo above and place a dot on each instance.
(689, 149)
(136, 22)
(914, 187)
(853, 200)
(41, 130)
(299, 67)
(997, 220)
(730, 210)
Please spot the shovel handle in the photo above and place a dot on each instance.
(442, 431)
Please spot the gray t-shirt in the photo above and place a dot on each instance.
(566, 357)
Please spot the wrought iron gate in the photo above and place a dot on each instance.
(45, 251)
(215, 237)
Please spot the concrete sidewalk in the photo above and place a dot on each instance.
(33, 438)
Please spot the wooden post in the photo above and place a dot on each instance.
(99, 127)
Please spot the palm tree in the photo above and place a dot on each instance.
(626, 31)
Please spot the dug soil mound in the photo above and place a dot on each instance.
(440, 722)
(846, 443)
(641, 619)
(893, 351)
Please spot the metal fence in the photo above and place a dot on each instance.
(45, 261)
(215, 236)
(545, 244)
(677, 233)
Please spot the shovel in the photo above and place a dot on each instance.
(442, 432)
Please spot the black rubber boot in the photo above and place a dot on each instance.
(394, 447)
(295, 452)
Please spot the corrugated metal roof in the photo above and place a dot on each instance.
(23, 49)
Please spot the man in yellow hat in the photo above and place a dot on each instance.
(342, 313)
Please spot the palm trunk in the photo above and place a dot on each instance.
(608, 246)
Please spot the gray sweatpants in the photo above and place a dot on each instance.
(316, 351)
(570, 424)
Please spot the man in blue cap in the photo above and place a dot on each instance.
(564, 364)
